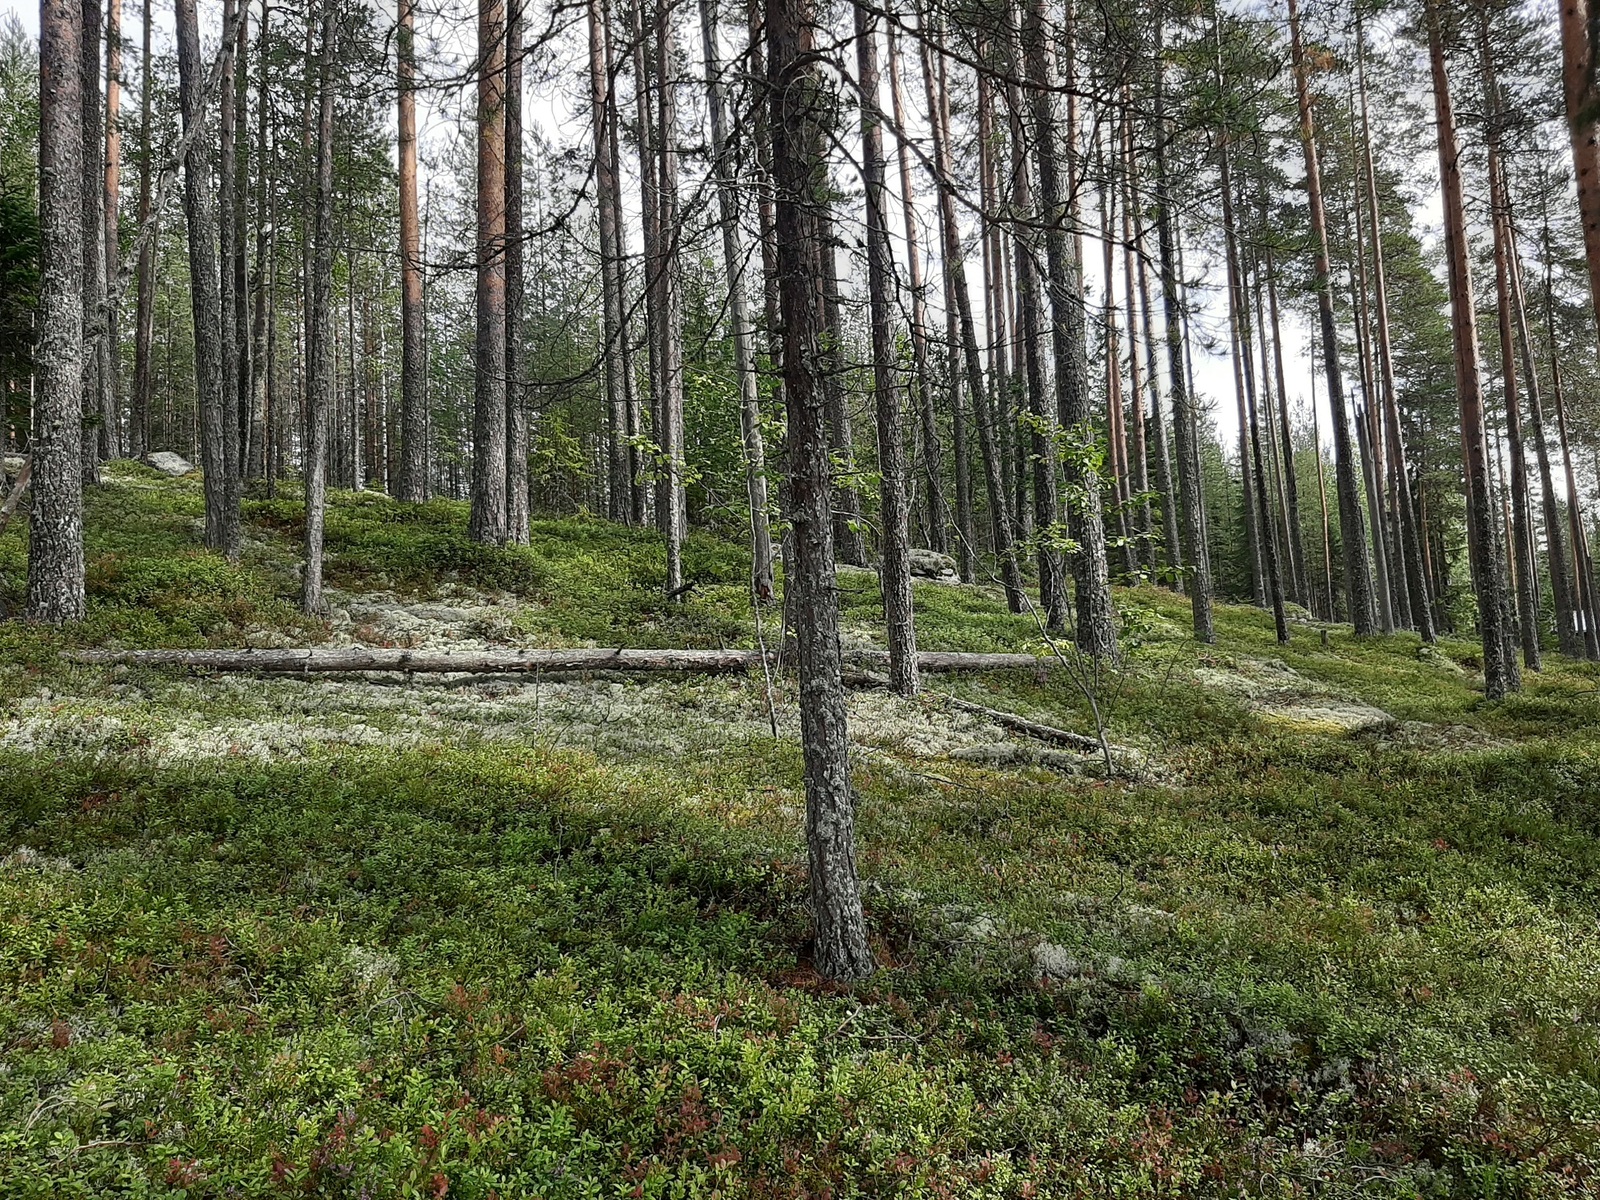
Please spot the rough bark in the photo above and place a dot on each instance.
(1581, 93)
(743, 333)
(96, 349)
(204, 284)
(612, 324)
(798, 115)
(1569, 633)
(1525, 571)
(1500, 673)
(336, 660)
(1095, 629)
(937, 95)
(111, 414)
(1352, 525)
(938, 511)
(1044, 430)
(413, 366)
(55, 525)
(1399, 472)
(516, 385)
(319, 326)
(487, 521)
(1189, 497)
(144, 313)
(673, 505)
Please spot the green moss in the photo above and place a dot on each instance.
(463, 962)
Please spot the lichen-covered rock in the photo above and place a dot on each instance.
(168, 463)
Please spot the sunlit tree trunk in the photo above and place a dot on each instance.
(670, 330)
(487, 523)
(516, 396)
(413, 365)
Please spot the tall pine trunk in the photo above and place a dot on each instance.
(144, 322)
(204, 284)
(55, 520)
(1183, 424)
(938, 511)
(487, 522)
(799, 116)
(111, 416)
(516, 385)
(611, 311)
(1352, 525)
(319, 325)
(413, 366)
(672, 506)
(895, 569)
(1416, 576)
(744, 343)
(1500, 673)
(1095, 630)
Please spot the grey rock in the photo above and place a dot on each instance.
(168, 463)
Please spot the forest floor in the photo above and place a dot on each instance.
(1334, 929)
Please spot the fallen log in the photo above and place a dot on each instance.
(1044, 733)
(358, 659)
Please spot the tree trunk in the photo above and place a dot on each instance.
(265, 276)
(744, 346)
(1569, 634)
(612, 322)
(1154, 422)
(1500, 674)
(1368, 434)
(55, 523)
(242, 415)
(671, 316)
(1291, 485)
(516, 384)
(145, 312)
(227, 204)
(204, 283)
(938, 514)
(1243, 369)
(1525, 563)
(895, 568)
(1140, 365)
(800, 177)
(1189, 495)
(955, 270)
(849, 534)
(319, 327)
(654, 264)
(487, 523)
(413, 368)
(96, 349)
(1116, 434)
(1581, 91)
(1046, 496)
(1410, 536)
(1095, 631)
(111, 414)
(1352, 526)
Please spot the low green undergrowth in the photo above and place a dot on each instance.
(1288, 961)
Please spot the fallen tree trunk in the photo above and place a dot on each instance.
(361, 659)
(1044, 733)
